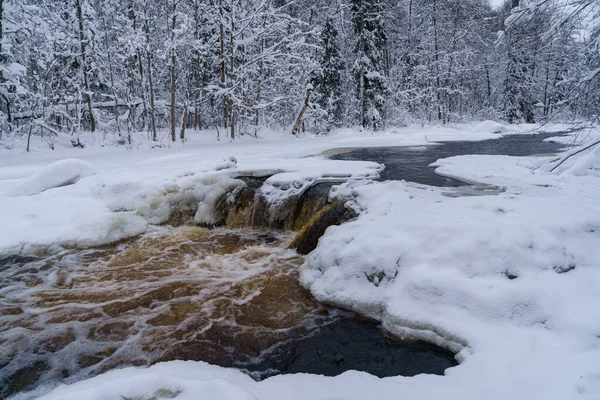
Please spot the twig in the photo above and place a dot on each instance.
(572, 154)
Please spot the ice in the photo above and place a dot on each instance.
(60, 173)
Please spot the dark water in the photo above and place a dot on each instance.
(350, 343)
(412, 163)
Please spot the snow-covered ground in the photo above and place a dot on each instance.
(511, 282)
(107, 193)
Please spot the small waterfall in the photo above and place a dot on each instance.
(309, 212)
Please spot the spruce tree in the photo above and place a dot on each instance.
(326, 80)
(517, 102)
(369, 67)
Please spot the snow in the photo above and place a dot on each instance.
(183, 380)
(510, 281)
(60, 173)
(491, 127)
(588, 164)
(112, 193)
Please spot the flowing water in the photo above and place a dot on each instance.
(412, 163)
(231, 298)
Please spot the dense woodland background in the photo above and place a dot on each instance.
(119, 68)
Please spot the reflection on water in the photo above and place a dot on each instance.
(231, 298)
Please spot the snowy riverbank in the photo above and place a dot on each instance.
(119, 191)
(510, 281)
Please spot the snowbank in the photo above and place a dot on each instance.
(125, 192)
(60, 173)
(588, 164)
(181, 380)
(491, 127)
(511, 281)
(580, 160)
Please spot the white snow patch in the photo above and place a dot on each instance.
(490, 127)
(60, 173)
(181, 380)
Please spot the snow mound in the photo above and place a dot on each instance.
(490, 127)
(229, 163)
(63, 221)
(60, 173)
(181, 380)
(580, 164)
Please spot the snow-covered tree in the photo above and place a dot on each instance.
(370, 65)
(326, 80)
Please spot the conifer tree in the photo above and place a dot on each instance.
(517, 102)
(369, 67)
(326, 80)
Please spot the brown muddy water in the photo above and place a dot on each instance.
(230, 298)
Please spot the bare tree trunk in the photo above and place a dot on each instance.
(231, 62)
(112, 81)
(222, 55)
(149, 57)
(29, 137)
(82, 42)
(302, 111)
(1, 23)
(173, 82)
(232, 121)
(1, 36)
(8, 112)
(152, 111)
(197, 73)
(185, 117)
(437, 57)
(260, 73)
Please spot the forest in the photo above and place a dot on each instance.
(145, 70)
